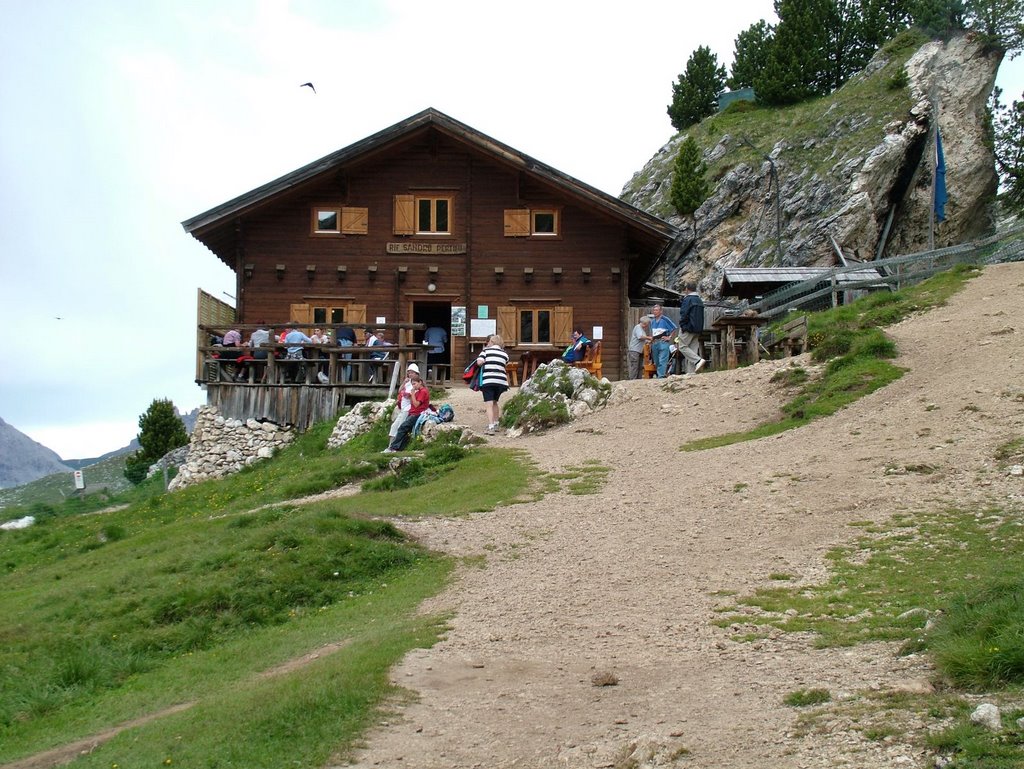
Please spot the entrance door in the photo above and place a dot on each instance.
(437, 317)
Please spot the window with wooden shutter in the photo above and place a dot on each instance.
(517, 222)
(405, 215)
(354, 221)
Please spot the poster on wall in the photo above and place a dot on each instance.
(598, 333)
(458, 320)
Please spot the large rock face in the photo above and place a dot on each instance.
(851, 195)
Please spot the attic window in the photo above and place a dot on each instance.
(544, 222)
(327, 220)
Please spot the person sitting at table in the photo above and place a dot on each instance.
(345, 337)
(377, 339)
(319, 337)
(577, 349)
(293, 340)
(257, 339)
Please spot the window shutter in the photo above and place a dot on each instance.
(508, 325)
(561, 326)
(517, 222)
(354, 221)
(301, 313)
(355, 313)
(405, 215)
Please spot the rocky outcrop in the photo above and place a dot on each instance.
(359, 420)
(555, 394)
(222, 446)
(842, 177)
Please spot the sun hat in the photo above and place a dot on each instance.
(412, 367)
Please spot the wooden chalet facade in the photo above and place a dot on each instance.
(431, 222)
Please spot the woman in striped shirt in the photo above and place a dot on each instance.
(493, 377)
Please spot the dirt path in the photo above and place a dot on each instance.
(627, 581)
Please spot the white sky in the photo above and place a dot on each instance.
(119, 119)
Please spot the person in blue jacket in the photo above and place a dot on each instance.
(577, 349)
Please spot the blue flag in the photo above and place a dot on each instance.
(940, 179)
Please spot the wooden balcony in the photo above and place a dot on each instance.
(262, 383)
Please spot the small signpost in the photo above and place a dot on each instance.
(80, 483)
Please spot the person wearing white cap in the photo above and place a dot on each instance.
(404, 400)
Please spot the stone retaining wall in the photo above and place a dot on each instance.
(222, 446)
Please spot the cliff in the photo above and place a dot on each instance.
(846, 164)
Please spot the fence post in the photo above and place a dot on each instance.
(835, 299)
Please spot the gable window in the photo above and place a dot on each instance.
(433, 215)
(544, 222)
(339, 220)
(532, 222)
(327, 220)
(424, 214)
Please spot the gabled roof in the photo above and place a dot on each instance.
(215, 227)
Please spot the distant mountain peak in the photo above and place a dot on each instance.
(23, 460)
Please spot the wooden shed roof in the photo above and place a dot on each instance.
(650, 236)
(741, 276)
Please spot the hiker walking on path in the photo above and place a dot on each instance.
(691, 323)
(494, 377)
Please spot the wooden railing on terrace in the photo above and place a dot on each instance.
(246, 382)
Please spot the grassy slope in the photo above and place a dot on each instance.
(189, 596)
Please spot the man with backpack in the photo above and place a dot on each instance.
(691, 324)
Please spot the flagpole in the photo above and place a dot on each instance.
(934, 162)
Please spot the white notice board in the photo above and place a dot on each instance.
(482, 327)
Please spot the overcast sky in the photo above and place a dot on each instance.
(119, 119)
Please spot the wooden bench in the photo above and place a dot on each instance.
(791, 339)
(592, 360)
(512, 371)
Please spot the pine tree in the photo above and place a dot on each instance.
(750, 54)
(1000, 21)
(1008, 134)
(882, 20)
(160, 430)
(797, 61)
(939, 18)
(695, 94)
(690, 186)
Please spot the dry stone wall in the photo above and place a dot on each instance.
(222, 446)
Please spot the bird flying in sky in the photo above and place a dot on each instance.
(308, 84)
